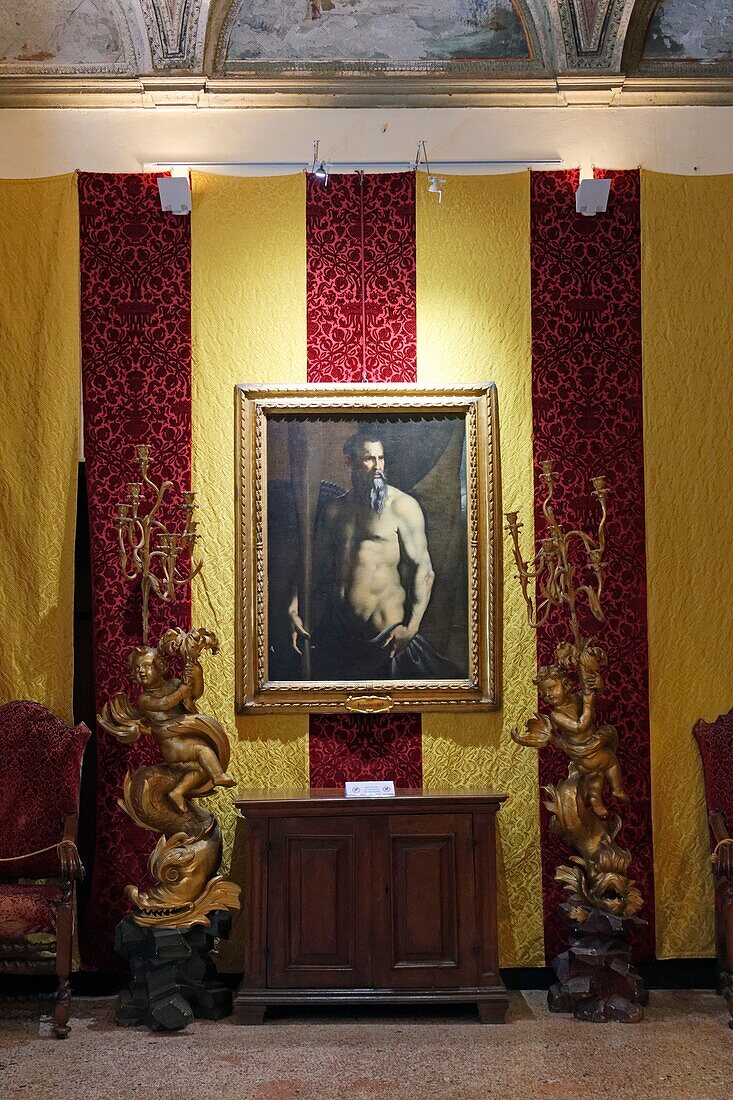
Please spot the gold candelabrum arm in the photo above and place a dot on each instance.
(552, 566)
(147, 547)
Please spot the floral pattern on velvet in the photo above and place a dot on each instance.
(587, 413)
(715, 741)
(362, 746)
(360, 257)
(136, 368)
(27, 909)
(39, 786)
(361, 302)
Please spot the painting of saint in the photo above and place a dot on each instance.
(367, 565)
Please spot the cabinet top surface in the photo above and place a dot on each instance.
(333, 800)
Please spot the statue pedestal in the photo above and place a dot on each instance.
(595, 978)
(173, 979)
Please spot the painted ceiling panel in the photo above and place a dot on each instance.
(65, 35)
(691, 30)
(375, 31)
(297, 39)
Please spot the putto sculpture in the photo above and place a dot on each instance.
(195, 749)
(595, 978)
(174, 923)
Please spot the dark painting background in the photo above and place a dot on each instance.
(424, 456)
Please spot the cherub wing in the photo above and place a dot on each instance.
(123, 720)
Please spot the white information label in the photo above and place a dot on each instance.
(382, 789)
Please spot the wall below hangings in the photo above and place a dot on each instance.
(662, 139)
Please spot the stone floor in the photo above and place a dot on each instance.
(683, 1049)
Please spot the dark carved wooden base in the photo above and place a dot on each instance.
(173, 979)
(595, 978)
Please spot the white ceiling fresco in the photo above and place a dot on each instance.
(60, 35)
(375, 30)
(691, 30)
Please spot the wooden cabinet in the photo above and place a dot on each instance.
(370, 900)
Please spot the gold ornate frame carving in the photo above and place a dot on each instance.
(255, 692)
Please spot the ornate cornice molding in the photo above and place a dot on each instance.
(424, 90)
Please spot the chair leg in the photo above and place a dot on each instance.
(726, 956)
(62, 1004)
(62, 1009)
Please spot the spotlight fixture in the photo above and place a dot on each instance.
(175, 194)
(435, 183)
(319, 168)
(435, 186)
(592, 197)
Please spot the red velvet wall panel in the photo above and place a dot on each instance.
(136, 362)
(587, 412)
(362, 328)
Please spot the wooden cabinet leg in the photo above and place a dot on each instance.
(492, 1012)
(250, 1014)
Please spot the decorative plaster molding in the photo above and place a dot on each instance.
(589, 20)
(421, 90)
(636, 32)
(175, 30)
(593, 32)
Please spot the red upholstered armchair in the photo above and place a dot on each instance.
(39, 806)
(715, 741)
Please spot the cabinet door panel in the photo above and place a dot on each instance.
(318, 905)
(425, 927)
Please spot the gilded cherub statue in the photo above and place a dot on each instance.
(195, 749)
(579, 814)
(194, 745)
(595, 978)
(571, 727)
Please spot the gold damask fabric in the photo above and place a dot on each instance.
(39, 441)
(474, 325)
(687, 322)
(248, 325)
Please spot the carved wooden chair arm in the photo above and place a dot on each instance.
(722, 857)
(72, 867)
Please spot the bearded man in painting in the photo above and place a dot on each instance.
(373, 576)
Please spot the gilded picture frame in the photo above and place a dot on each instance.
(378, 596)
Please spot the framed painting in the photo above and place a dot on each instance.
(367, 563)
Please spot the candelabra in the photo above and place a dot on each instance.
(148, 549)
(595, 978)
(553, 569)
(182, 910)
